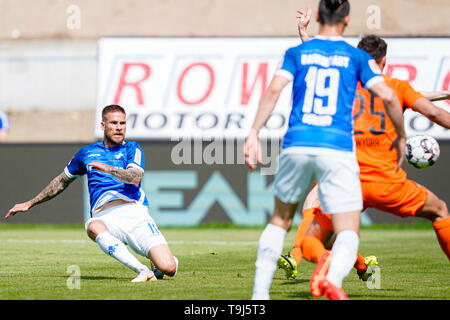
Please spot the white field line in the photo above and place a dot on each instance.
(74, 241)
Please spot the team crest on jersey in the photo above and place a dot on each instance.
(118, 156)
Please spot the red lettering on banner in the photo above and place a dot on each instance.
(446, 85)
(412, 71)
(209, 89)
(136, 84)
(261, 74)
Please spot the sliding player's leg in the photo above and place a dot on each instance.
(309, 207)
(289, 263)
(113, 246)
(343, 253)
(408, 199)
(324, 234)
(147, 240)
(436, 211)
(313, 245)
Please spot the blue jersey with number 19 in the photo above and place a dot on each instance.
(104, 187)
(325, 72)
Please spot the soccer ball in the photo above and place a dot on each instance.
(422, 151)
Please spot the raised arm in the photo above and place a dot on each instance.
(394, 111)
(55, 187)
(129, 175)
(303, 22)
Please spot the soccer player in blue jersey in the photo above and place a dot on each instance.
(319, 146)
(4, 126)
(119, 207)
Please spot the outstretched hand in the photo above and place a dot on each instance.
(20, 207)
(304, 18)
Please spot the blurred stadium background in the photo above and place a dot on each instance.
(62, 61)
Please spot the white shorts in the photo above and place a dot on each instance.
(131, 224)
(336, 173)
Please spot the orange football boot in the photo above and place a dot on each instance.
(332, 292)
(320, 273)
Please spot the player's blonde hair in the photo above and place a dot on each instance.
(112, 108)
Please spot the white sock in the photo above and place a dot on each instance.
(117, 249)
(269, 250)
(343, 256)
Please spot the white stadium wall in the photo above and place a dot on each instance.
(48, 74)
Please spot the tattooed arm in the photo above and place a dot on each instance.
(129, 175)
(55, 187)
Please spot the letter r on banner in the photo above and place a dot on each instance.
(135, 84)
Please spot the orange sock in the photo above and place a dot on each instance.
(442, 229)
(312, 249)
(307, 218)
(360, 265)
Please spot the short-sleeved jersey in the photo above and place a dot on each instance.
(374, 132)
(4, 121)
(105, 187)
(325, 72)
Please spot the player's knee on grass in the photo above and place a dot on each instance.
(169, 267)
(163, 259)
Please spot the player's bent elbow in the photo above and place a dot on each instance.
(389, 96)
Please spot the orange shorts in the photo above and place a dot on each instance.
(401, 199)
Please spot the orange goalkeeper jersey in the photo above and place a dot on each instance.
(374, 132)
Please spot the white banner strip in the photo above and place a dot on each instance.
(211, 87)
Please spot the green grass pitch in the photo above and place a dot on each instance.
(215, 264)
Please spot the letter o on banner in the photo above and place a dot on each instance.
(208, 90)
(155, 121)
(276, 121)
(420, 123)
(206, 121)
